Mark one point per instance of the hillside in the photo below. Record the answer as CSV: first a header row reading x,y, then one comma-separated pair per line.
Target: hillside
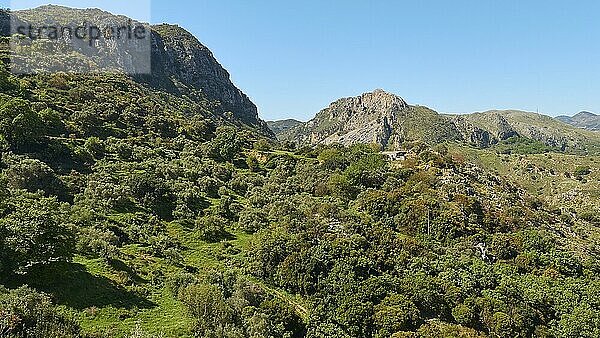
x,y
194,233
501,125
566,182
181,66
388,121
584,120
160,206
282,125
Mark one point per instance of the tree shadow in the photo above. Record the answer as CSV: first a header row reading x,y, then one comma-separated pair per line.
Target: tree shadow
x,y
72,285
119,265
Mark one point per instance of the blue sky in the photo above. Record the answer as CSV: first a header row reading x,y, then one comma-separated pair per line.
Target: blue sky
x,y
294,57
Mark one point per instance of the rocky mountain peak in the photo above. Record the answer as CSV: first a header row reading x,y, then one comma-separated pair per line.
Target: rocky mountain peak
x,y
376,117
386,119
377,101
180,63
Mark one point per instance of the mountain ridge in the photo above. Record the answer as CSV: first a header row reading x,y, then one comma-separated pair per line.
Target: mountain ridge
x,y
180,63
387,120
584,120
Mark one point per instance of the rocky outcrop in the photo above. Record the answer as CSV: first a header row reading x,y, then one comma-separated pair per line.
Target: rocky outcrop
x,y
473,134
180,64
387,120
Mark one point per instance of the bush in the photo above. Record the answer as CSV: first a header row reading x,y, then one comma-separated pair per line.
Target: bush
x,y
103,193
262,145
253,164
582,171
97,243
95,147
19,125
34,232
27,313
153,193
206,305
212,228
190,202
252,220
33,175
209,185
396,313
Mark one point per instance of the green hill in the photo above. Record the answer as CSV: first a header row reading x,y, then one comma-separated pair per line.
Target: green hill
x,y
145,207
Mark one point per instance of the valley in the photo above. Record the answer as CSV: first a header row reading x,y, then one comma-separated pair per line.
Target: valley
x,y
162,205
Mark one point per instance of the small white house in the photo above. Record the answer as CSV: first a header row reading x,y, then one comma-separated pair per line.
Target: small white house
x,y
395,155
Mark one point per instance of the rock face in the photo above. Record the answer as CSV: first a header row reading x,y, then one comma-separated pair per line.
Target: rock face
x,y
378,117
387,120
180,64
364,119
583,120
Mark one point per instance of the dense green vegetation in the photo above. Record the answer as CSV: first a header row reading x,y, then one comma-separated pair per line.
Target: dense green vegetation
x,y
129,212
520,145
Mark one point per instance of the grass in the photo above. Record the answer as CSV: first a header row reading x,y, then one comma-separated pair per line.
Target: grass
x,y
166,315
116,296
166,318
550,176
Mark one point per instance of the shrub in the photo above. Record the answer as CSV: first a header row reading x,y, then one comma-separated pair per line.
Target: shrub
x,y
252,220
212,228
253,164
396,313
206,305
97,242
153,193
27,313
262,145
19,125
95,147
33,175
582,171
34,232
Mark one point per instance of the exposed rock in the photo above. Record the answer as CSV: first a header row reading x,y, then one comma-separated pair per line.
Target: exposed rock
x,y
377,117
387,120
180,63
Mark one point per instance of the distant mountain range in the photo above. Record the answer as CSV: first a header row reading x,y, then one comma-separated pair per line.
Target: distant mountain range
x,y
584,120
282,125
386,119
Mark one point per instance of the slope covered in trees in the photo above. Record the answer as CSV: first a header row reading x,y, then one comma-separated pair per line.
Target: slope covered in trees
x,y
133,216
129,209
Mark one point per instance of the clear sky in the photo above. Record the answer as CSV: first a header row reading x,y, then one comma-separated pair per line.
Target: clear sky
x,y
294,57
